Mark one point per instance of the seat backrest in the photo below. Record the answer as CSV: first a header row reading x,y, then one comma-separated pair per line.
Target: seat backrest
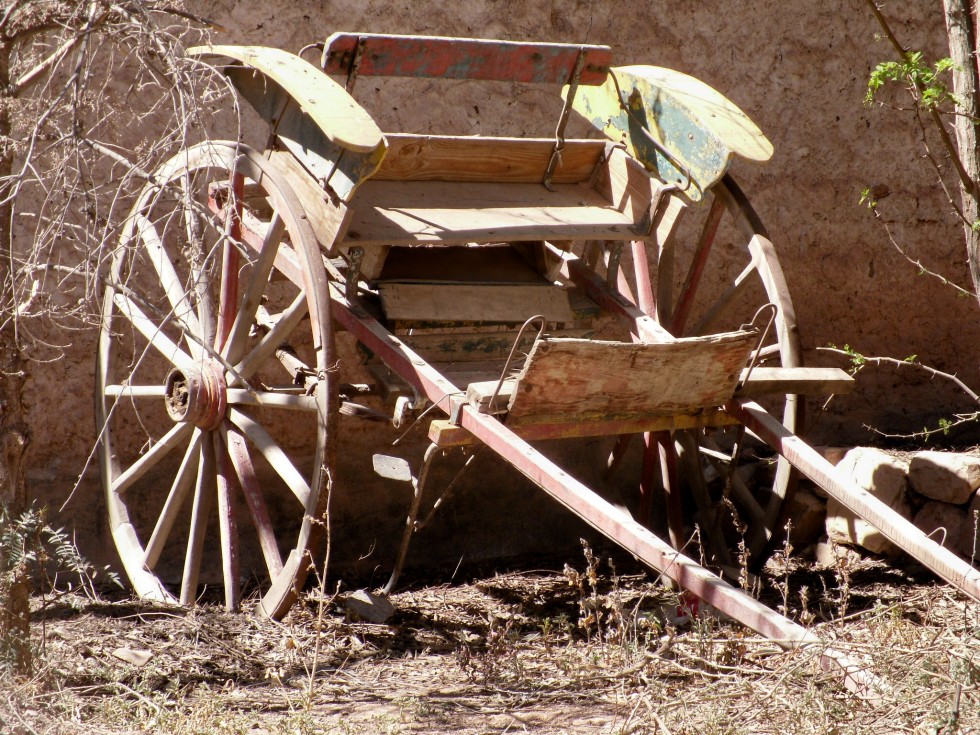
x,y
372,54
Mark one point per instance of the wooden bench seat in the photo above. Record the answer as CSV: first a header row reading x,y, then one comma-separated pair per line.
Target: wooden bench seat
x,y
436,212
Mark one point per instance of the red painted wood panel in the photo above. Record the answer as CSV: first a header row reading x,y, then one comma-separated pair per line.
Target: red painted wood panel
x,y
465,58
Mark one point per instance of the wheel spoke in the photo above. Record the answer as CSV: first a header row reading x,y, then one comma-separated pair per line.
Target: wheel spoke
x,y
724,301
204,492
273,454
289,401
701,252
230,261
256,287
161,342
690,466
176,293
135,391
227,525
175,501
199,276
242,462
269,343
149,460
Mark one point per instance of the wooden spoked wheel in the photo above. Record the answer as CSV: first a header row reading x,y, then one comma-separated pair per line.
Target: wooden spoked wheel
x,y
213,382
734,278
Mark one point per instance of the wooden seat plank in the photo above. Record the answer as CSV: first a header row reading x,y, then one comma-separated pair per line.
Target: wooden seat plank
x,y
432,212
464,58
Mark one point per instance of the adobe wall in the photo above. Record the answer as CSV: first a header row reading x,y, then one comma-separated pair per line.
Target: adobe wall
x,y
801,75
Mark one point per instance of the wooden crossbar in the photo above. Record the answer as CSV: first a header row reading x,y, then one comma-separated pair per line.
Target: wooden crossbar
x,y
463,58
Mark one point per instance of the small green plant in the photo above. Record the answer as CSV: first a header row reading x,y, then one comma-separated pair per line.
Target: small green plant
x,y
924,82
32,549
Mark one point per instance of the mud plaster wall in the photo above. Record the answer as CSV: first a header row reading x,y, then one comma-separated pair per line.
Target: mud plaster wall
x,y
798,69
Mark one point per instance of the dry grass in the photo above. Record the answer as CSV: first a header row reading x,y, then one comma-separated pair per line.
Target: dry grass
x,y
577,651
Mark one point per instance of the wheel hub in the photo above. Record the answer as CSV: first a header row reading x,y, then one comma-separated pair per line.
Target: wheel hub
x,y
197,395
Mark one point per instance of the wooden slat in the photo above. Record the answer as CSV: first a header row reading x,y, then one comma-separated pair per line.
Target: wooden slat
x,y
328,218
445,434
472,346
471,158
474,303
432,212
479,395
802,381
464,58
575,378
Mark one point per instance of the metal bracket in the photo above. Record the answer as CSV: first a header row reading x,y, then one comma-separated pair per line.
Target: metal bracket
x,y
354,258
566,110
492,405
355,65
615,250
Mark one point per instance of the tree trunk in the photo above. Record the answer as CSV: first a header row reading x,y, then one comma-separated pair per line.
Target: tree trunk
x,y
14,577
961,18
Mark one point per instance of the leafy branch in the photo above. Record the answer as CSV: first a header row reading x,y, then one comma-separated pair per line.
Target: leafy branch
x,y
859,361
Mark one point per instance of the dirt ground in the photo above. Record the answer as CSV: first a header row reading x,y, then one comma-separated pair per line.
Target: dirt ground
x,y
591,647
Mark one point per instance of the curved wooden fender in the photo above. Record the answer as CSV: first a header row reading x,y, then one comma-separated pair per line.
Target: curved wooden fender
x,y
676,125
323,127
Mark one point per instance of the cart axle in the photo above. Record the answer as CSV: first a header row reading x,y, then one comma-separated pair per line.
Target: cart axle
x,y
197,396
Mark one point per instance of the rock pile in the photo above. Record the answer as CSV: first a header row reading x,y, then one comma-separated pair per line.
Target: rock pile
x,y
938,491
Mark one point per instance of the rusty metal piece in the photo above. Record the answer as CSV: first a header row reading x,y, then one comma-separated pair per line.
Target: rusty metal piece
x,y
197,395
354,259
573,82
492,406
418,486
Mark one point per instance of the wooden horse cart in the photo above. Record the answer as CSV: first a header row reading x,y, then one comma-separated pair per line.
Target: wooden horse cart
x,y
503,290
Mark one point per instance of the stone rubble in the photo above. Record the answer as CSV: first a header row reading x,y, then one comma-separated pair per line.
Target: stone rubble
x,y
885,477
938,491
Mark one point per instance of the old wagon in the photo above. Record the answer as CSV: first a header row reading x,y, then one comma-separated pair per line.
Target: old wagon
x,y
502,290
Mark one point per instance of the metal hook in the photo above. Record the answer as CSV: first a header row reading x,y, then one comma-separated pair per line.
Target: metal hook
x,y
492,406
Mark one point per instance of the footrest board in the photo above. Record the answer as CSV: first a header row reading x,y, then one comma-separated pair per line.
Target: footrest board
x,y
569,379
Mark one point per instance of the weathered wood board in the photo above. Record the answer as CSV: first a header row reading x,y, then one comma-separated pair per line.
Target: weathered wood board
x,y
491,160
404,213
473,345
464,58
587,379
803,381
335,112
329,219
444,433
474,303
651,109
